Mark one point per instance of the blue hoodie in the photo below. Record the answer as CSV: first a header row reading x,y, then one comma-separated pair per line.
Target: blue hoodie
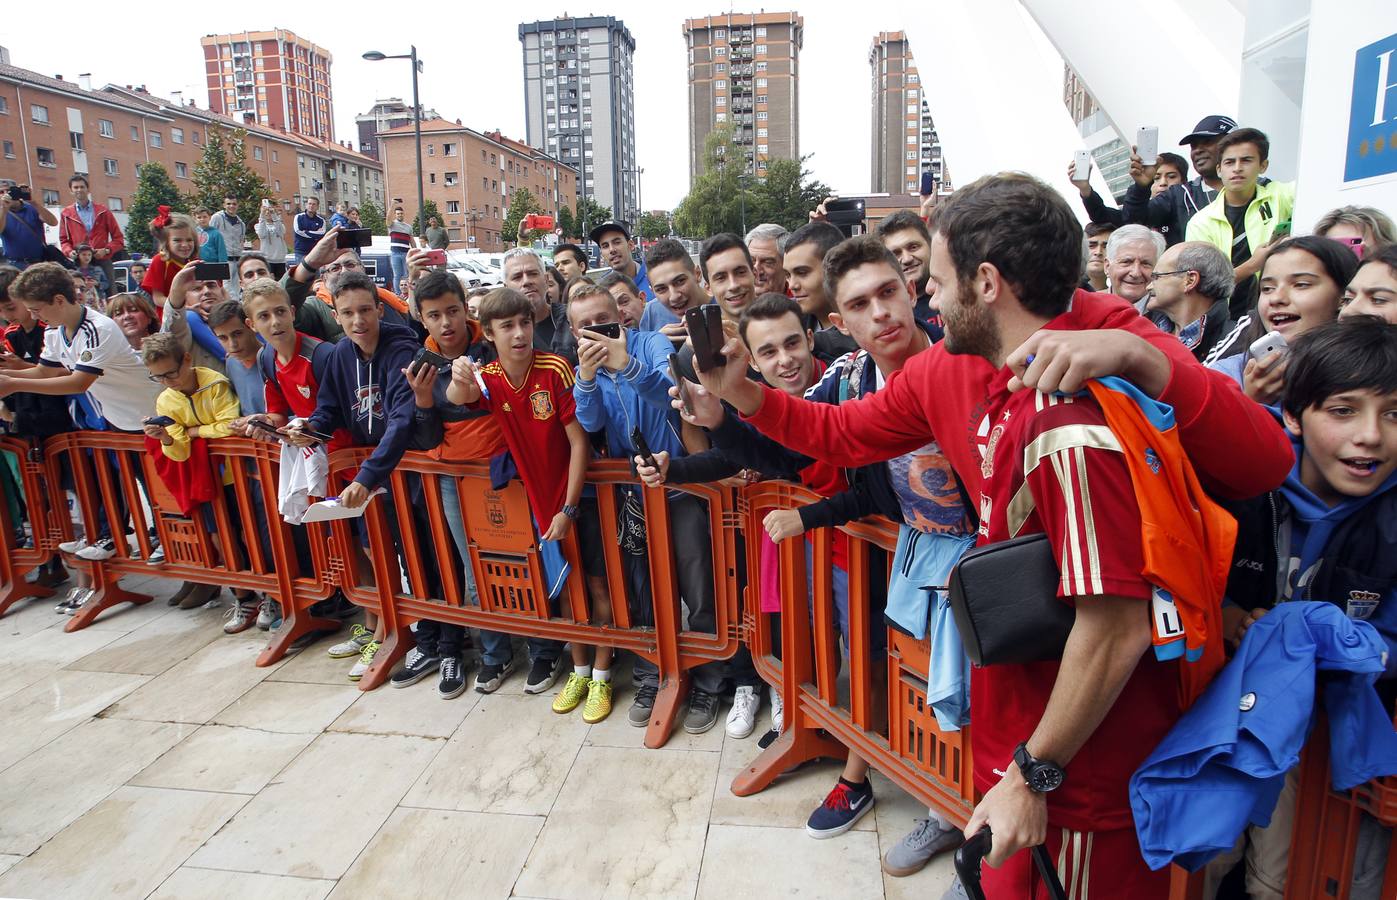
x,y
371,398
636,396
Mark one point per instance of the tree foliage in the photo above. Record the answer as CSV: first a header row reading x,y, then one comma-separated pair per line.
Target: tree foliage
x,y
372,217
154,188
567,222
521,203
590,214
652,227
724,197
429,209
223,170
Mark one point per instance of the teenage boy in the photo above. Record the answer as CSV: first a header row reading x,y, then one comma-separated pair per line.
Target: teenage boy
x,y
308,228
530,393
1324,534
907,237
570,260
630,302
1170,211
805,273
613,239
233,229
1248,215
677,286
211,246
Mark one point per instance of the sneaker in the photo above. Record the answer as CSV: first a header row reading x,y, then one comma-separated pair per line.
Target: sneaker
x,y
336,606
267,613
201,595
416,666
82,601
955,892
491,676
642,705
157,556
240,618
359,637
842,809
543,674
51,577
742,719
778,711
572,694
72,600
598,705
366,658
73,547
703,712
926,839
453,678
99,551
178,596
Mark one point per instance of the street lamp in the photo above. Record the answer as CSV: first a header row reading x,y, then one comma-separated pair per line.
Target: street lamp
x,y
639,206
375,56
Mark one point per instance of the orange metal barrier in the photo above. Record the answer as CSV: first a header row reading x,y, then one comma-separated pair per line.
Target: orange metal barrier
x,y
506,568
46,508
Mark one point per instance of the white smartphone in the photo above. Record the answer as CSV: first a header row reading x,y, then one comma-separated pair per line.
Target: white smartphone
x,y
1147,144
1267,343
1082,158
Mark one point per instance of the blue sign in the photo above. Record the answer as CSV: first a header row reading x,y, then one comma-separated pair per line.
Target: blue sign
x,y
1372,123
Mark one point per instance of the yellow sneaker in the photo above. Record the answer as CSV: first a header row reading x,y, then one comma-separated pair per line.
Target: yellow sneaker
x,y
571,694
598,702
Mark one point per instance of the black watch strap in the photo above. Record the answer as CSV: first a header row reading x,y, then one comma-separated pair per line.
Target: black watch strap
x,y
1040,775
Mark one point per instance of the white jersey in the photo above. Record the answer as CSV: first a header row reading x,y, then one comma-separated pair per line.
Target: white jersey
x,y
123,393
304,471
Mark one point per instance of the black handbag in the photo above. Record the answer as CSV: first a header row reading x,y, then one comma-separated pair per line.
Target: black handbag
x,y
1004,599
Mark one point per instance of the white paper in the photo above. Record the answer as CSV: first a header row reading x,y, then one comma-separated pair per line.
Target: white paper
x,y
329,510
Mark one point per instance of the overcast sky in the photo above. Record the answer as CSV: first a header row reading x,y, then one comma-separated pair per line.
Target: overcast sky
x,y
473,69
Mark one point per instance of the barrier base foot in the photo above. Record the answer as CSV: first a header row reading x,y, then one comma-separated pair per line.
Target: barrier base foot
x,y
11,592
668,702
394,647
291,630
793,747
109,594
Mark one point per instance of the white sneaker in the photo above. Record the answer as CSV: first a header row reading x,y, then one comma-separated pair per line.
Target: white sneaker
x,y
778,711
99,551
73,546
365,660
358,637
743,717
266,613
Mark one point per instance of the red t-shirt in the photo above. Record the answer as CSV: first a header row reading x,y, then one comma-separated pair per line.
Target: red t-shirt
x,y
161,274
534,417
293,392
1051,466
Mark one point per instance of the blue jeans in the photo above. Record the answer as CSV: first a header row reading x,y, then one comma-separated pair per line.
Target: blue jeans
x,y
399,261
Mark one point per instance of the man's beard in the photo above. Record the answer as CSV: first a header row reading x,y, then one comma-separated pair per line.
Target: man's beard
x,y
970,328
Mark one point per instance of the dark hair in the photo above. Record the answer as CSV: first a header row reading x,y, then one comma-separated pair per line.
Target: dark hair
x,y
503,303
355,281
577,253
41,282
1386,254
667,250
822,234
1093,229
720,243
231,197
78,176
1338,260
768,306
253,254
573,282
1244,136
613,278
223,312
902,220
849,255
438,283
1023,228
558,279
7,276
1175,160
1354,353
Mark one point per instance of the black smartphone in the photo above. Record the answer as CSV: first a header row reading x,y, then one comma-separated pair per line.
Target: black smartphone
x,y
642,449
428,358
278,269
705,324
207,271
162,421
354,237
609,329
680,382
927,185
846,215
317,436
261,425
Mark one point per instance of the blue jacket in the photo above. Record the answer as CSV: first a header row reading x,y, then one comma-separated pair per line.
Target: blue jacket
x,y
1222,766
371,398
638,395
213,249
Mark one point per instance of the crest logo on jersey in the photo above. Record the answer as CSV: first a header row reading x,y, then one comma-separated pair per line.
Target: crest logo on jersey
x,y
304,390
86,356
542,404
987,464
1362,604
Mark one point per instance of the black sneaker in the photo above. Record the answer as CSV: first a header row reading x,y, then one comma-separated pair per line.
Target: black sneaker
x,y
491,676
335,606
642,705
842,809
543,673
703,711
453,678
416,666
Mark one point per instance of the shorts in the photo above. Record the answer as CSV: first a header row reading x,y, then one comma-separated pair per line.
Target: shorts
x,y
589,538
1089,864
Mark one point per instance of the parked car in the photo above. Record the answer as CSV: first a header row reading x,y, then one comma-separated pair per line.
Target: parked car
x,y
471,270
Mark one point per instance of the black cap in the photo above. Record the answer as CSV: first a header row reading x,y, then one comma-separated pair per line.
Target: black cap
x,y
1210,127
609,225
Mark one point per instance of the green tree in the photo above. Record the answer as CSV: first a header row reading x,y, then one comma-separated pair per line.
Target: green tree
x,y
372,217
715,200
223,170
652,227
521,203
154,188
429,209
787,195
590,214
567,222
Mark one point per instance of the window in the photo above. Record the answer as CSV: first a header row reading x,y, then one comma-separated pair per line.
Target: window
x,y
278,185
720,100
50,197
177,135
45,156
256,152
276,157
484,184
431,149
761,49
761,66
761,82
761,148
912,154
106,128
109,167
116,204
39,114
494,185
720,34
135,133
449,179
156,140
181,170
194,137
75,140
720,117
4,107
761,31
9,149
431,177
761,132
911,170
448,149
453,206
761,116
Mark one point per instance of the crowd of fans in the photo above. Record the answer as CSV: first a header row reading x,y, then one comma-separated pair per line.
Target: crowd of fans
x,y
934,372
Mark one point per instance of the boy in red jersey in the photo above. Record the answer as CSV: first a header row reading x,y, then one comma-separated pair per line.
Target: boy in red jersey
x,y
531,394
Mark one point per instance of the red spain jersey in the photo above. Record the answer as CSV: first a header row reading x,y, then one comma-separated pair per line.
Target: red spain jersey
x,y
534,416
1051,465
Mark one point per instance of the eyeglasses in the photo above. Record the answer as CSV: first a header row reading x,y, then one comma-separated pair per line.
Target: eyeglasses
x,y
341,267
1155,276
160,378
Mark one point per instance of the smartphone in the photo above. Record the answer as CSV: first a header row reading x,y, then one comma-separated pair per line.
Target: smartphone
x,y
642,449
705,324
680,382
436,257
354,237
162,421
1147,144
927,184
1282,228
1082,158
609,329
425,357
1267,343
207,271
261,425
847,215
278,270
1353,243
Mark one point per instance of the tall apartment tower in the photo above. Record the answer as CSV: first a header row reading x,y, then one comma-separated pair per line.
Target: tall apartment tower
x,y
905,143
1112,155
271,78
744,72
579,104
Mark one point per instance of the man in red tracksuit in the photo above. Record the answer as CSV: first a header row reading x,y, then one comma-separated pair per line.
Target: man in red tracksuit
x,y
85,221
1054,743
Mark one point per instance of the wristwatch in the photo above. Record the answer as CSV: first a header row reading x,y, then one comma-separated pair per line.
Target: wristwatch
x,y
1040,775
572,512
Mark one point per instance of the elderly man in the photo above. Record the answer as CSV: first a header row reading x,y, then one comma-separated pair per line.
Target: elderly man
x,y
1190,287
523,271
1130,257
765,244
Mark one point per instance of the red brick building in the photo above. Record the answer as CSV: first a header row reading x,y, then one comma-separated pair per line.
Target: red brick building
x,y
271,78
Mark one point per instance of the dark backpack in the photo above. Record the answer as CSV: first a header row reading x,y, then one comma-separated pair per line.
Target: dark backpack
x,y
312,348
